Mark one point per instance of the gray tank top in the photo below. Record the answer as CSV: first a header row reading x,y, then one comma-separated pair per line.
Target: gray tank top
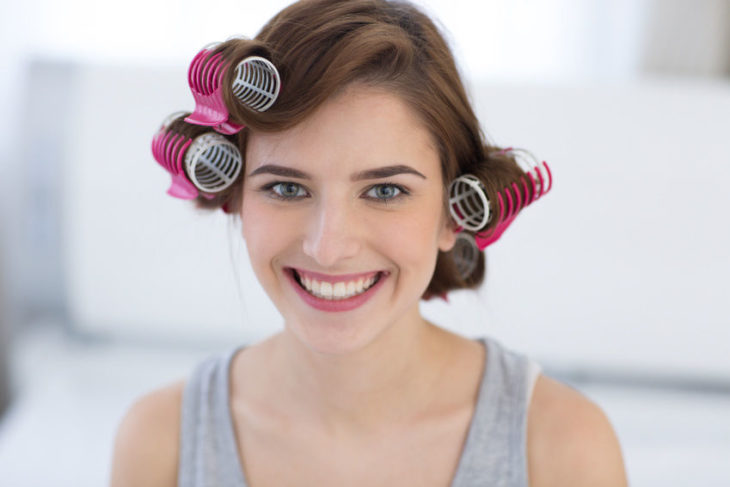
x,y
495,452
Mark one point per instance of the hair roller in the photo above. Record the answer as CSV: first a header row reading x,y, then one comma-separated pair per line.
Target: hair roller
x,y
538,174
202,164
256,85
212,162
470,205
517,195
465,254
468,202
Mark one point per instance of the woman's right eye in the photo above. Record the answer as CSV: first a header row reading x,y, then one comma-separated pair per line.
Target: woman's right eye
x,y
285,190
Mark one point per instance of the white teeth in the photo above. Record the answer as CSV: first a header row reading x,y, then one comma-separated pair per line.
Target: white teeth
x,y
336,291
326,290
339,290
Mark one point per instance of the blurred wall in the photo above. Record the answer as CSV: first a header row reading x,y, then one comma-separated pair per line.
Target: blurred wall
x,y
4,344
690,38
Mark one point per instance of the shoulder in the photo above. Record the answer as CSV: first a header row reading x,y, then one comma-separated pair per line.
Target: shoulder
x,y
570,441
147,440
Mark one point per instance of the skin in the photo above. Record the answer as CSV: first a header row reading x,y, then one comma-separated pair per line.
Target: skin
x,y
376,395
350,370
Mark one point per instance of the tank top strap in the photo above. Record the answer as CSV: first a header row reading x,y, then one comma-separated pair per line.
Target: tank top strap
x,y
208,449
495,452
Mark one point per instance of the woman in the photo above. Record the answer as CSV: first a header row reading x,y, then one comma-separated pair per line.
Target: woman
x,y
343,200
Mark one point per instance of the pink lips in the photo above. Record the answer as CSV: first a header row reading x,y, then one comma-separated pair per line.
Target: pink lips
x,y
340,304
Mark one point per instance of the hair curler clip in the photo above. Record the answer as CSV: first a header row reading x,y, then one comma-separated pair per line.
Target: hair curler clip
x,y
205,77
210,163
256,84
469,203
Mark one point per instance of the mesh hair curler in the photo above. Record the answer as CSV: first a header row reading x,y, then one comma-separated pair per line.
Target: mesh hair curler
x,y
465,254
469,203
205,165
256,84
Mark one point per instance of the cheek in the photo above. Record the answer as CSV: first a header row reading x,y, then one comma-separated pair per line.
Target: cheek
x,y
253,223
263,232
411,238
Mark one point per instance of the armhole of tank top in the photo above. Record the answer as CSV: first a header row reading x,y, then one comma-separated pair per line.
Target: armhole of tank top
x,y
190,415
533,372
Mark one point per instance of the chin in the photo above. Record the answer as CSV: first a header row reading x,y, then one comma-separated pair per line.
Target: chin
x,y
332,338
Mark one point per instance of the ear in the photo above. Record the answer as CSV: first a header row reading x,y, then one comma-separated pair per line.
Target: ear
x,y
447,234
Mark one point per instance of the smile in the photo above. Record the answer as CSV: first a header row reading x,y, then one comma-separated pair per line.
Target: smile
x,y
335,290
335,293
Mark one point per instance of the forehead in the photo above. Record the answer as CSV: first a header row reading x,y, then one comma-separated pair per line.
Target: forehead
x,y
361,127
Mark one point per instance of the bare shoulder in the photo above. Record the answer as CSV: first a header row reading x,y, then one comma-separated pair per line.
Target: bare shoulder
x,y
570,441
147,439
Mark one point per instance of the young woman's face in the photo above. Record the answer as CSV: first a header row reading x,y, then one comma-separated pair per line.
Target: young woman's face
x,y
350,196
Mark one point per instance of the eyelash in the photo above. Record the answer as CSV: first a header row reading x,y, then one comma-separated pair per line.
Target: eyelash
x,y
269,189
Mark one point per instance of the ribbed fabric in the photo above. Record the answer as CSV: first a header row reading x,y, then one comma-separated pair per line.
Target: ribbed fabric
x,y
495,452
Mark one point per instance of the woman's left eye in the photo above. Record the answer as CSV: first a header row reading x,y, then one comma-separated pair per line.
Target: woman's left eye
x,y
386,192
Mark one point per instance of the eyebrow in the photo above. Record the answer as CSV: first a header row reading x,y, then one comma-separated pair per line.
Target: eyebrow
x,y
376,173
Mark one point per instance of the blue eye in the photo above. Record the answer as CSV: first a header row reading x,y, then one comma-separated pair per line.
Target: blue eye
x,y
285,190
386,192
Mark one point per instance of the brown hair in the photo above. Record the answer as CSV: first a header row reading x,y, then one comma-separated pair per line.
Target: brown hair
x,y
322,46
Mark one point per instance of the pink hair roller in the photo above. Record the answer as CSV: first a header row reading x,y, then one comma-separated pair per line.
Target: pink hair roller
x,y
256,84
541,182
206,165
469,204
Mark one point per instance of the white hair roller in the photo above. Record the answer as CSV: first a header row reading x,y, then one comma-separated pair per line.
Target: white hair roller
x,y
256,83
468,202
212,162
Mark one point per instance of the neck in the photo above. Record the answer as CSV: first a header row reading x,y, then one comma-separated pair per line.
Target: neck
x,y
376,387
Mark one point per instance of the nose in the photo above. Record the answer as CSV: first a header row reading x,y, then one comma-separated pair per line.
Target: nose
x,y
331,233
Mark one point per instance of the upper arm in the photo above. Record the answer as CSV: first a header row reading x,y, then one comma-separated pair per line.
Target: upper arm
x,y
147,440
570,440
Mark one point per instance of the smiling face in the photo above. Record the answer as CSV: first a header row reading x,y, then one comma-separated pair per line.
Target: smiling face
x,y
352,197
